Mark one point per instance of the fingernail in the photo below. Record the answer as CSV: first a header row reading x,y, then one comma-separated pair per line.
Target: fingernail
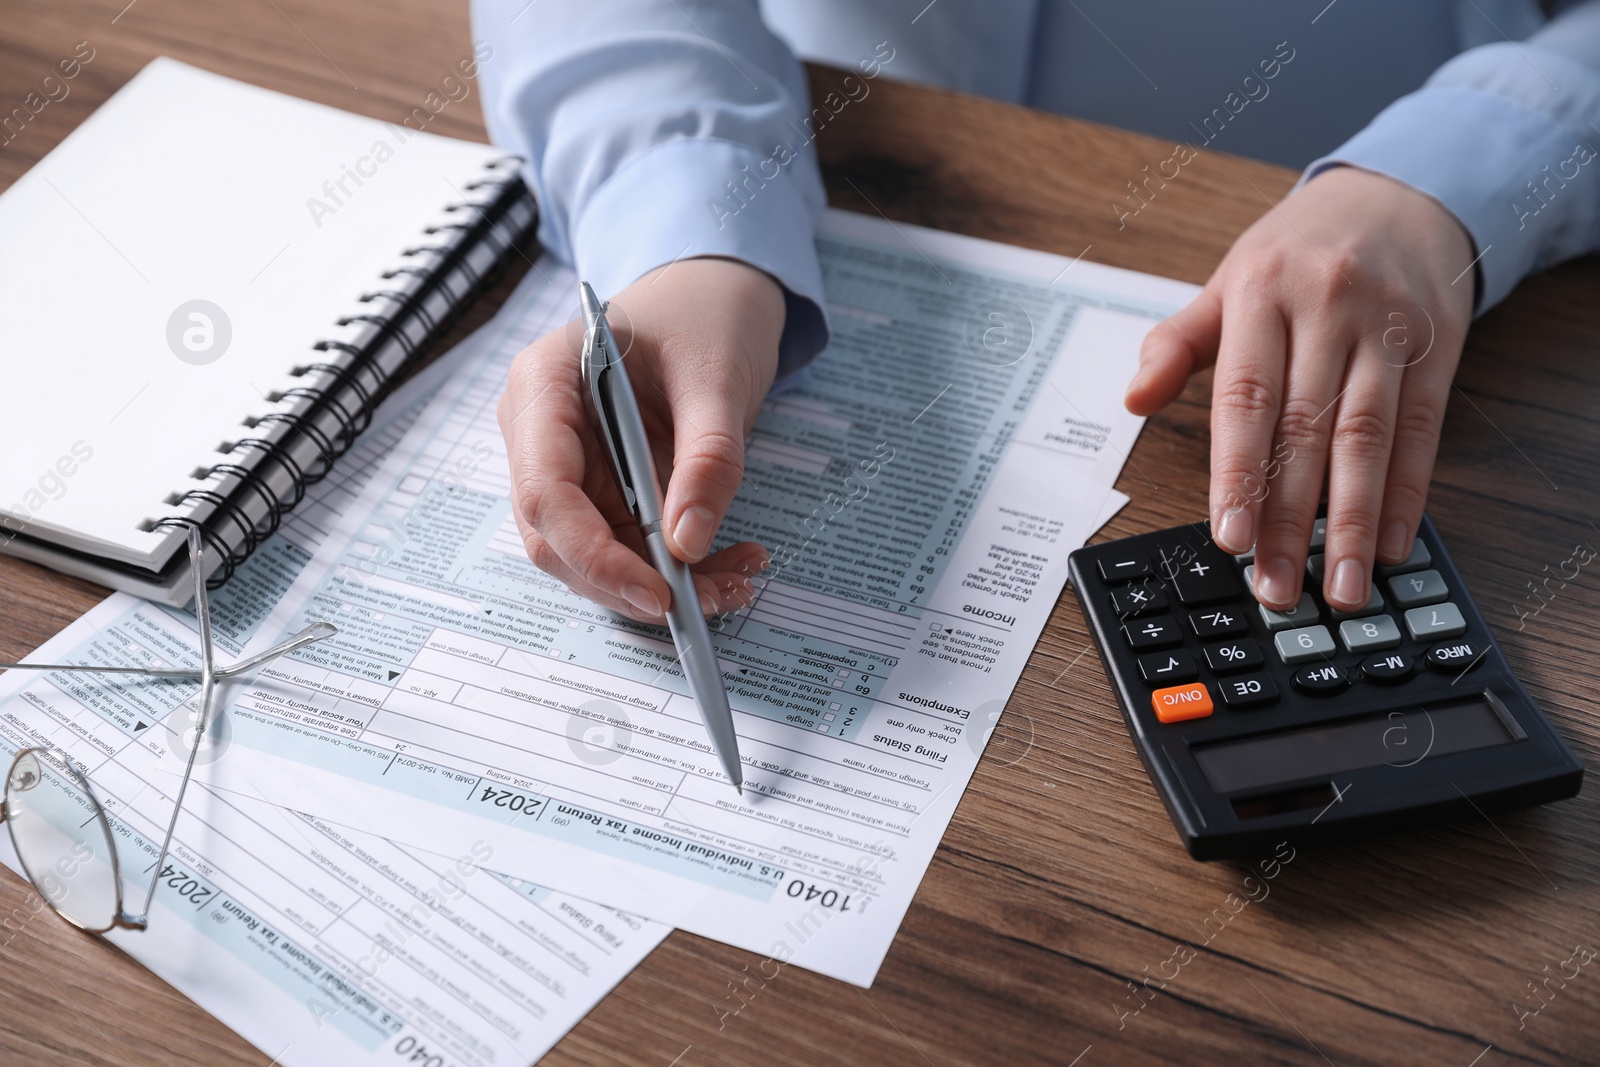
x,y
642,599
1275,581
1394,546
694,530
1236,531
1349,583
708,604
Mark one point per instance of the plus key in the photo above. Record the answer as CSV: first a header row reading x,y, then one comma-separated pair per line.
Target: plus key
x,y
1201,574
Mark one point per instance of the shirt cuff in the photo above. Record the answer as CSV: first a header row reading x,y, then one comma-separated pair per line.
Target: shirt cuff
x,y
1523,183
693,197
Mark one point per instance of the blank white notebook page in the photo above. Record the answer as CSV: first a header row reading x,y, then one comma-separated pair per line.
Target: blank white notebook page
x,y
187,186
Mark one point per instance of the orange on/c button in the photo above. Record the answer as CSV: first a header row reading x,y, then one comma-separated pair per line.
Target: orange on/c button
x,y
1180,702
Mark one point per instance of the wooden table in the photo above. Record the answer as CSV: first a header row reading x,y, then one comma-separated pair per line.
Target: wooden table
x,y
1060,879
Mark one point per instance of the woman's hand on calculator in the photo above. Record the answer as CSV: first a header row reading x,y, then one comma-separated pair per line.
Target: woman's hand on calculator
x,y
1335,323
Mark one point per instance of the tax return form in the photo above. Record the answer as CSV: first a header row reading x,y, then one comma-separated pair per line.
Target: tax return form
x,y
321,945
919,495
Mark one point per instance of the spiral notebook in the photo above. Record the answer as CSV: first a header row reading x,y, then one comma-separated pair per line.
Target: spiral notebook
x,y
205,289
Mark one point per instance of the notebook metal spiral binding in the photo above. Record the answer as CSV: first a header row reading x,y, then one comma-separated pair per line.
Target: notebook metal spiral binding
x,y
499,224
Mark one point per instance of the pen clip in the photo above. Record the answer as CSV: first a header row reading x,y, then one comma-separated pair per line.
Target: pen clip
x,y
598,360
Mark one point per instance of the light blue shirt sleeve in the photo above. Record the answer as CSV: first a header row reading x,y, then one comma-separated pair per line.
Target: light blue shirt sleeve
x,y
653,132
1503,136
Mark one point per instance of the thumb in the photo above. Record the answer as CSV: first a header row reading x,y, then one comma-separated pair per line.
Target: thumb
x,y
1174,349
707,468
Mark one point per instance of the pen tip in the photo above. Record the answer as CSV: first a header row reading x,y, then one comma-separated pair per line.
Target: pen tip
x,y
591,303
740,787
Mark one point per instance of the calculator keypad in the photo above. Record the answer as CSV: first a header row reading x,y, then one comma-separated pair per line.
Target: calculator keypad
x,y
1235,668
1256,725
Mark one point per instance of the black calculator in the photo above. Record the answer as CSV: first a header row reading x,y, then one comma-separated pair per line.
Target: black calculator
x,y
1311,724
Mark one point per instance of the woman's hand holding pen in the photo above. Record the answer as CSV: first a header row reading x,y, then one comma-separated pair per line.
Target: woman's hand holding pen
x,y
700,337
1335,324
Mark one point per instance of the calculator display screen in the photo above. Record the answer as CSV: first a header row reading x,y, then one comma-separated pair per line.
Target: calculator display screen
x,y
1401,738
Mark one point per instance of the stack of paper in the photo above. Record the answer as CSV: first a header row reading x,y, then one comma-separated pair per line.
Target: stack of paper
x,y
318,943
919,494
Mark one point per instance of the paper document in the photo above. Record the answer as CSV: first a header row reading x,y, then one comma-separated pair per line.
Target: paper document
x,y
321,945
919,494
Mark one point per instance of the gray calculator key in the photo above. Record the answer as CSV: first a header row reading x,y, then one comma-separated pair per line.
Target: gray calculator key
x,y
1418,588
1305,644
1434,622
1420,559
1369,635
1314,567
1373,605
1319,534
1302,614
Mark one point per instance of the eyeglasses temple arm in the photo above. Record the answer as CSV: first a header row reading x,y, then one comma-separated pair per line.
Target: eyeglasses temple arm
x,y
208,684
317,631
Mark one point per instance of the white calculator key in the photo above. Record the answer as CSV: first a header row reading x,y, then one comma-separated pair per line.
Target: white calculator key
x,y
1369,635
1373,605
1414,590
1302,614
1305,644
1435,621
1419,559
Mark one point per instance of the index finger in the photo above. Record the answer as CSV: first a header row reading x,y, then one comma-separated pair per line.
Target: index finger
x,y
1245,400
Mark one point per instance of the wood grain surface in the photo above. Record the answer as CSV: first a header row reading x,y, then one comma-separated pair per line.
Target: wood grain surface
x,y
1060,880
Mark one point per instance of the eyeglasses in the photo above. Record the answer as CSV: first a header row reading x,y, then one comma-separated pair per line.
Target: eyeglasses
x,y
59,828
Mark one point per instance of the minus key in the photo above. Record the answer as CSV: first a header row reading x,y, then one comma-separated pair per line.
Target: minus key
x,y
1114,569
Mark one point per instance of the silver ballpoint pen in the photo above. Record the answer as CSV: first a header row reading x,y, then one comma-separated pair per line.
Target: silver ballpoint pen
x,y
616,413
